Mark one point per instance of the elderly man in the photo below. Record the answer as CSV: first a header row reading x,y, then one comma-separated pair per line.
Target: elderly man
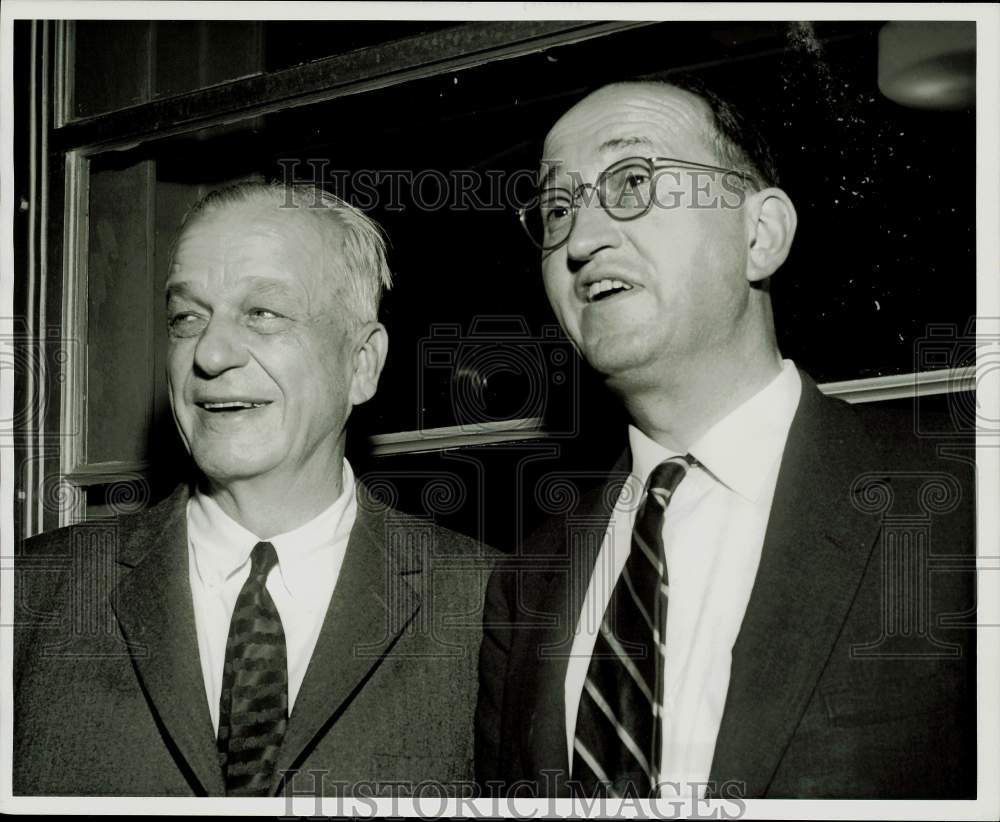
x,y
271,619
730,615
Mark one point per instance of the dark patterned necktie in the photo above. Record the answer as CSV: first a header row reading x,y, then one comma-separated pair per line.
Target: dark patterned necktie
x,y
253,709
618,727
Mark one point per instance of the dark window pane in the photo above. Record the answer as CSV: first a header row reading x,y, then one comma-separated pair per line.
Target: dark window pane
x,y
125,495
290,43
111,65
193,54
119,322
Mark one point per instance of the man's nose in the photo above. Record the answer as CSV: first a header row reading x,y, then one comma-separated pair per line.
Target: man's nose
x,y
221,347
593,229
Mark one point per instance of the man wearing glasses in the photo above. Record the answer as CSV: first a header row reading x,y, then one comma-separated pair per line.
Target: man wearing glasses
x,y
721,617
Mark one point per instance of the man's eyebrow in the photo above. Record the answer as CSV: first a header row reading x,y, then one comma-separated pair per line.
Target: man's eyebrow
x,y
613,144
623,142
265,286
179,290
550,175
257,287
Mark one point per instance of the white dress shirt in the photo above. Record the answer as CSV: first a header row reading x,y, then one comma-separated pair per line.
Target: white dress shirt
x,y
301,584
713,534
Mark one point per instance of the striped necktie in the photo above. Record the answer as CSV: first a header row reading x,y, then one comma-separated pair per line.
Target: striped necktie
x,y
253,710
619,727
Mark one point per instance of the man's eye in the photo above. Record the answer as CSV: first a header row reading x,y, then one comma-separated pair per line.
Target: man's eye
x,y
555,213
267,320
627,179
635,180
555,207
185,324
264,314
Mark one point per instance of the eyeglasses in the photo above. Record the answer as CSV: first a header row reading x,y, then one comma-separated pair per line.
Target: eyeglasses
x,y
626,190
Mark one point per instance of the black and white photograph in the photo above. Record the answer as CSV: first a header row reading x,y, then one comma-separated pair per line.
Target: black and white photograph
x,y
533,410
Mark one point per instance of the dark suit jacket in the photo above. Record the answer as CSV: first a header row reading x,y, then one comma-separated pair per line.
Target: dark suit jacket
x,y
109,697
853,672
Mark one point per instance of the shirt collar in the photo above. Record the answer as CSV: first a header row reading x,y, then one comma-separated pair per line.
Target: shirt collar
x,y
222,546
742,448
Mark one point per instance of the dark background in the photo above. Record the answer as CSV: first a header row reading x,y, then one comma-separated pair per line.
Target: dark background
x,y
885,244
885,194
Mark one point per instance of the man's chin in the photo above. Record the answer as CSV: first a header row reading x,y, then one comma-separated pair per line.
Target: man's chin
x,y
221,471
616,356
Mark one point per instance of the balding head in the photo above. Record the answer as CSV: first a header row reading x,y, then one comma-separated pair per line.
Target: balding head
x,y
733,140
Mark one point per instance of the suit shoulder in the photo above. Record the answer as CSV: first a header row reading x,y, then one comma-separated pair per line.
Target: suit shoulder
x,y
53,573
577,502
547,536
47,542
149,519
40,573
930,476
444,541
904,442
453,542
46,562
42,561
59,539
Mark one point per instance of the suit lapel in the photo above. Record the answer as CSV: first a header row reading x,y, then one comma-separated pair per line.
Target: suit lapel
x,y
570,547
154,609
371,606
815,551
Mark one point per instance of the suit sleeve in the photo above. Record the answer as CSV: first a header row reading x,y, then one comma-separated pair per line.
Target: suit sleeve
x,y
493,660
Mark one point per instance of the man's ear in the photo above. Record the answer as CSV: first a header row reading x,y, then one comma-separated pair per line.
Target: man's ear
x,y
369,358
771,222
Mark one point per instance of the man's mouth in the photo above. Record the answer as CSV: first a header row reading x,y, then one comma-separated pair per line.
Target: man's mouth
x,y
229,406
608,287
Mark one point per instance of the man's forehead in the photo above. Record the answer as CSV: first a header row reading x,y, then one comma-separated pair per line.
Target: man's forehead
x,y
629,144
645,117
209,242
249,231
258,221
183,284
256,248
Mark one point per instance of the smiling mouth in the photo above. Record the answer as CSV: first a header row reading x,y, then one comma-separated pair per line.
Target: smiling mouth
x,y
603,289
230,406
